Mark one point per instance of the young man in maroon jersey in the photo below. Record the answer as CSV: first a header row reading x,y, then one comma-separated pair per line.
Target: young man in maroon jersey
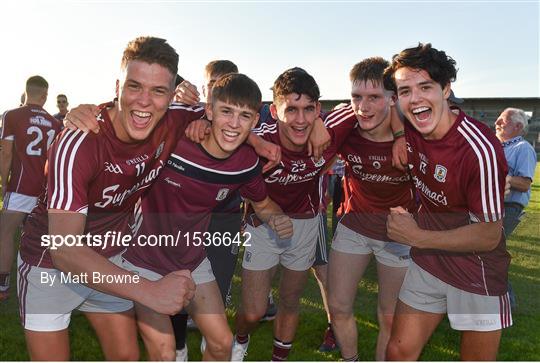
x,y
459,262
226,215
27,133
210,171
94,182
371,187
293,185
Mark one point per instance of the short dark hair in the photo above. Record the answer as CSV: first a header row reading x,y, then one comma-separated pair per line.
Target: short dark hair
x,y
151,50
296,80
372,69
237,89
218,68
61,95
440,67
36,85
37,81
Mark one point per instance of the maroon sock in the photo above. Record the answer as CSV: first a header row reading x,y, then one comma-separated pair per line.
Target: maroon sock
x,y
242,339
354,358
281,350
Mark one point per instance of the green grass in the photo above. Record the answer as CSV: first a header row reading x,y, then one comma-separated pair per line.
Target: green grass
x,y
520,342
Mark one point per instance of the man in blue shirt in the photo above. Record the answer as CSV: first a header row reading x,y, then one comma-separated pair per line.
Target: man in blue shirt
x,y
510,128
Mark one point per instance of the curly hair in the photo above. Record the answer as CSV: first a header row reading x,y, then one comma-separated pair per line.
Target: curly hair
x,y
440,67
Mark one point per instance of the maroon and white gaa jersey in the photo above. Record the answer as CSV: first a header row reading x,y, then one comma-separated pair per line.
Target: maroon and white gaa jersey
x,y
101,177
294,183
460,180
371,184
180,202
32,130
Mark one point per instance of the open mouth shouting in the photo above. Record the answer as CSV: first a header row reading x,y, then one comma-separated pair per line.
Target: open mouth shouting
x,y
421,114
141,119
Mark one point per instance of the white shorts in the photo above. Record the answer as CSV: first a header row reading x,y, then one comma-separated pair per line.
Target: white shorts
x,y
466,311
46,304
391,254
19,202
298,254
202,274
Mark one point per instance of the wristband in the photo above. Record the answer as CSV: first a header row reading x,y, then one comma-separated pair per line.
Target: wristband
x,y
399,134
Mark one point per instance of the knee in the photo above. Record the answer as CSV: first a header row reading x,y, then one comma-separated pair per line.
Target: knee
x,y
253,316
220,347
163,353
168,355
397,352
339,310
123,354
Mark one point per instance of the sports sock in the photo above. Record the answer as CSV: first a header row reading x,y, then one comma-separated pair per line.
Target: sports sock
x,y
354,358
179,322
4,281
242,339
281,350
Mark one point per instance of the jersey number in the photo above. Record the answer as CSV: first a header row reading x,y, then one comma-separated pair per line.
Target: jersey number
x,y
33,147
140,168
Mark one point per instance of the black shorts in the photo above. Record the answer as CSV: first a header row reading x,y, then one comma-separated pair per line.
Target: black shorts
x,y
223,258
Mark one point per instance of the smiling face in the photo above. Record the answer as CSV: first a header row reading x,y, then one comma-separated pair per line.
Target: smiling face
x,y
423,102
231,125
371,104
506,128
296,115
145,93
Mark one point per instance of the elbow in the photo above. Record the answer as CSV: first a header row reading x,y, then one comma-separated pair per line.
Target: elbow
x,y
491,241
59,256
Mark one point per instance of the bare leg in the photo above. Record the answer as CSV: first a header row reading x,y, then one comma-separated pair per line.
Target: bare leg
x,y
157,333
390,281
344,273
117,334
290,290
410,332
255,288
208,312
480,346
47,346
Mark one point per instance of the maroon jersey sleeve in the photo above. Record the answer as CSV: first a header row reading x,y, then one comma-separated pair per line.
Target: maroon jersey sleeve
x,y
340,123
72,166
255,189
484,174
181,115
